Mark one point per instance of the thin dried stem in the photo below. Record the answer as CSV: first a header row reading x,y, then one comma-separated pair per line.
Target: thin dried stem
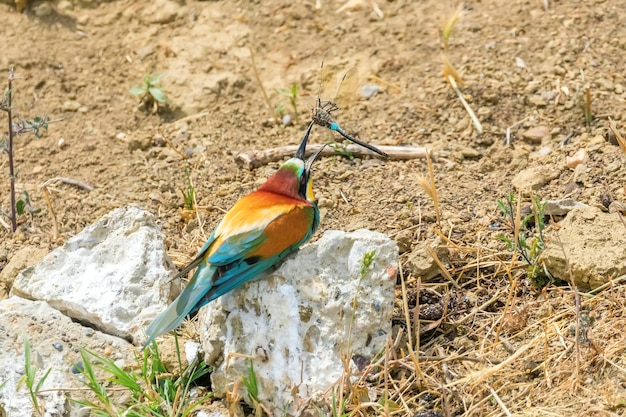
x,y
430,187
451,75
412,355
9,111
53,216
621,141
495,395
258,80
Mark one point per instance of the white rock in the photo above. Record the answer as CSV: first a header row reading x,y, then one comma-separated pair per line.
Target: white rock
x,y
52,337
298,322
369,91
113,275
192,350
562,207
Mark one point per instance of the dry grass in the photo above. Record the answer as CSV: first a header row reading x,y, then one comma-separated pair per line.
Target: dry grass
x,y
508,351
621,141
430,187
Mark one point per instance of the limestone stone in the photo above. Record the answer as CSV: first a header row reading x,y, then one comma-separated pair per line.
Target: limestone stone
x,y
113,275
296,324
589,248
54,339
533,178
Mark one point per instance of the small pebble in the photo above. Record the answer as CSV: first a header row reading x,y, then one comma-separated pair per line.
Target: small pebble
x,y
64,5
537,100
144,52
71,105
58,346
561,207
78,368
191,351
543,151
494,225
286,120
536,134
369,91
580,157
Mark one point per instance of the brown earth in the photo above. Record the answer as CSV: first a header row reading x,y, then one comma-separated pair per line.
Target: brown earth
x,y
525,64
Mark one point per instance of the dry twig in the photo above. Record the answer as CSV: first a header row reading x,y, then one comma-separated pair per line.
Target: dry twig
x,y
256,159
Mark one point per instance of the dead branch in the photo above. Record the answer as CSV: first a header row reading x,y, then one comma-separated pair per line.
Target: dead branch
x,y
69,181
256,159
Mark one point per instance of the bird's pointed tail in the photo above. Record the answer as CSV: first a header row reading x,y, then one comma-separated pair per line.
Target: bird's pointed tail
x,y
167,321
189,301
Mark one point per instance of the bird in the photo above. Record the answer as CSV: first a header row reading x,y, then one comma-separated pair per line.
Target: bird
x,y
259,231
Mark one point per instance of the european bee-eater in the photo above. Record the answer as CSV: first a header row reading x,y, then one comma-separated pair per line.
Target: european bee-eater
x,y
258,232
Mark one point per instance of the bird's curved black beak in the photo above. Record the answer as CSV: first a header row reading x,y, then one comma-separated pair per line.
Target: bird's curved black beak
x,y
302,148
301,153
312,158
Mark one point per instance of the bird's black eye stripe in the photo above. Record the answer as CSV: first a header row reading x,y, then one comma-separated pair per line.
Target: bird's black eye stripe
x,y
303,184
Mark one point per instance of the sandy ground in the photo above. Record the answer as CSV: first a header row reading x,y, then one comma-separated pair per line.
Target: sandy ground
x,y
525,65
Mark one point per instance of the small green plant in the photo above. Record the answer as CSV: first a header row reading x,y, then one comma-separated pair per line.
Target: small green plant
x,y
338,407
280,110
582,97
151,92
30,379
24,203
528,239
292,94
154,390
252,387
15,128
584,101
342,150
105,406
189,192
366,263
